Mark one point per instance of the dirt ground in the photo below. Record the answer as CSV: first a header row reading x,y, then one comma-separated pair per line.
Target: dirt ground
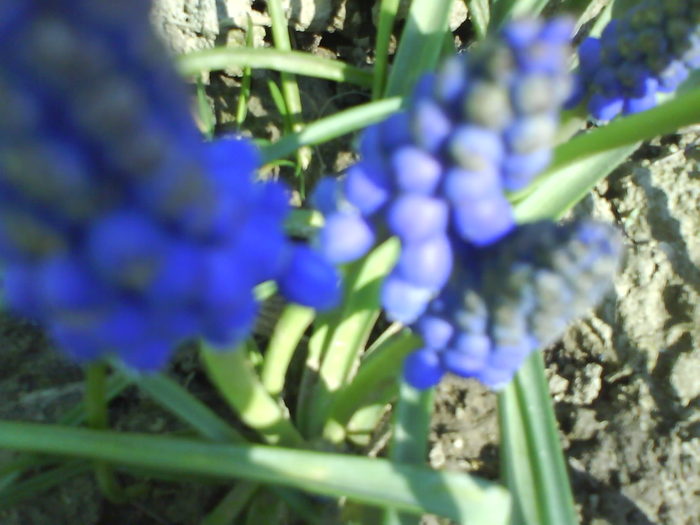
x,y
625,381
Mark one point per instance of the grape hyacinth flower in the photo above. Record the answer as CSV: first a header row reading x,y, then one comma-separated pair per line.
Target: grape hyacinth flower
x,y
120,230
651,49
436,174
510,298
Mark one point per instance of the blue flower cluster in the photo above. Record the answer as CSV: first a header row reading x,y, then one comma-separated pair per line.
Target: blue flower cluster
x,y
649,50
508,299
120,230
482,292
435,175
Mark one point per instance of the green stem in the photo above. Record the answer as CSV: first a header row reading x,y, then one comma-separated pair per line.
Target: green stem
x,y
240,386
288,332
290,89
97,418
387,15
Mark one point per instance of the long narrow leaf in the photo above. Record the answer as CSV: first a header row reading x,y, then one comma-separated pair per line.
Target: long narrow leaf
x,y
480,15
296,62
332,127
466,499
177,400
420,45
565,186
532,461
409,442
387,15
682,111
504,10
348,332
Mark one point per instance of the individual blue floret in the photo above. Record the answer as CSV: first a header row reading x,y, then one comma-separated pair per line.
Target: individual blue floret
x,y
508,299
121,231
437,173
650,49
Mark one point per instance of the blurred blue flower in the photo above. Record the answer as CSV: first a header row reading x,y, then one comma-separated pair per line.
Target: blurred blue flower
x,y
508,299
650,49
436,174
121,231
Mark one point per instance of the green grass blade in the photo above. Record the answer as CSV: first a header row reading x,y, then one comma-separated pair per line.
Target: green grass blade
x,y
42,482
179,402
566,186
331,127
290,328
234,378
480,15
232,505
387,15
244,94
504,10
349,329
280,36
375,381
682,111
420,45
532,462
409,443
293,62
409,488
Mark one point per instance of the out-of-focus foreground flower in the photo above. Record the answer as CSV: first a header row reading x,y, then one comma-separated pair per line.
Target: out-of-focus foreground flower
x,y
120,230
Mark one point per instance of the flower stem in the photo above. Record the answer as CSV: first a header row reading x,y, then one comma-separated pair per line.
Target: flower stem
x,y
97,418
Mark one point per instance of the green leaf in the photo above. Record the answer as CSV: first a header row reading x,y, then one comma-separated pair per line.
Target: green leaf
x,y
332,127
532,463
504,10
295,62
375,382
290,328
480,14
566,186
420,44
409,442
35,485
232,505
682,111
343,339
387,15
466,499
233,376
179,402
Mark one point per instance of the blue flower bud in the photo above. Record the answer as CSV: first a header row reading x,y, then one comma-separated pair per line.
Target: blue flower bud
x,y
426,263
345,236
404,301
422,369
310,280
